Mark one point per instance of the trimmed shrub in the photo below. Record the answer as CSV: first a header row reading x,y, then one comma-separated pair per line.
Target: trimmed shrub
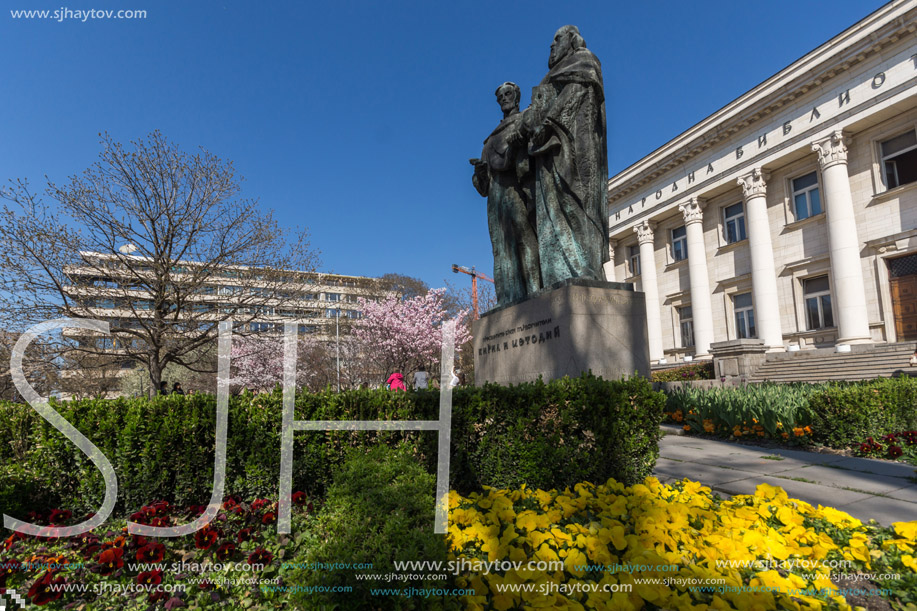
x,y
379,510
555,435
843,415
543,435
694,371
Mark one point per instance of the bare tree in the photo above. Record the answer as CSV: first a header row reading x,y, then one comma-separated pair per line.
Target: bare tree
x,y
38,367
156,241
407,286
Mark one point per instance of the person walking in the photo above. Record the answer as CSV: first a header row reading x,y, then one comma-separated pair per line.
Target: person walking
x,y
176,389
163,388
396,382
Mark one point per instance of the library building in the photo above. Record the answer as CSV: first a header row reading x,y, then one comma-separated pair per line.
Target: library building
x,y
787,220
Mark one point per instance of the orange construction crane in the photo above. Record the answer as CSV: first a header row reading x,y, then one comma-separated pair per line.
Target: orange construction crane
x,y
474,283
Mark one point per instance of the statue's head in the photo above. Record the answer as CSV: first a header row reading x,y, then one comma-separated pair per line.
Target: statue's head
x,y
508,96
566,40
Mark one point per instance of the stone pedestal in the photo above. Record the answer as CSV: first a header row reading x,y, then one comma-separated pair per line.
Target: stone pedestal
x,y
737,358
565,330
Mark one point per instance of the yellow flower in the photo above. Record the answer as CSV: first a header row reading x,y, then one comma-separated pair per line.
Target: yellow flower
x,y
907,530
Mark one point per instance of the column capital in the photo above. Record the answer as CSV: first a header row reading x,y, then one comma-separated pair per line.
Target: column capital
x,y
754,184
693,210
645,231
831,150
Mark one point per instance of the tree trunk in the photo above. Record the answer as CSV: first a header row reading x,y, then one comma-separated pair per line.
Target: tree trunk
x,y
155,377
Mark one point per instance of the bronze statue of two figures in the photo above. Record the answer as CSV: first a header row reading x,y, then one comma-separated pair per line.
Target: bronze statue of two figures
x,y
544,173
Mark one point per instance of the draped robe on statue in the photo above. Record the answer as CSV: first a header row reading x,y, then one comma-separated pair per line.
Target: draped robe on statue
x,y
571,169
507,183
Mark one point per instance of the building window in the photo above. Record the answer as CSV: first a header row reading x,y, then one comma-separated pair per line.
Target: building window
x,y
354,314
680,244
633,257
305,329
262,327
745,316
818,303
687,326
734,220
899,160
332,313
332,296
806,199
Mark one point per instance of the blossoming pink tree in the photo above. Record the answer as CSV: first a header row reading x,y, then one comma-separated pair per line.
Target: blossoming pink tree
x,y
257,363
401,335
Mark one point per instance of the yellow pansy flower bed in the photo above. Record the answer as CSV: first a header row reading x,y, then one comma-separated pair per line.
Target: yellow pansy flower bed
x,y
655,546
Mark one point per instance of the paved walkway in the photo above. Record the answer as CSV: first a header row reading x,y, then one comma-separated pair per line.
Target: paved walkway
x,y
864,488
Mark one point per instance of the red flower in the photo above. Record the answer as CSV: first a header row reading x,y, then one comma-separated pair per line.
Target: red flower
x,y
226,551
138,541
41,592
153,552
110,560
269,518
59,516
160,522
150,578
260,556
259,503
7,568
229,503
204,538
244,535
299,498
894,451
139,517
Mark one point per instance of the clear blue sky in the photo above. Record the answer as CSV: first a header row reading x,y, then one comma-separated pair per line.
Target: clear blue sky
x,y
357,119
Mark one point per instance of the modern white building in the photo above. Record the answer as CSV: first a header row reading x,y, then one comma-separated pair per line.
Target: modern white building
x,y
790,215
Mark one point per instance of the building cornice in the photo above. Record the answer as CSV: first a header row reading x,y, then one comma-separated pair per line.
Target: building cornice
x,y
862,41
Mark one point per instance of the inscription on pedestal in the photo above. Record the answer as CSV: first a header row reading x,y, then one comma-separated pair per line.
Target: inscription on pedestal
x,y
578,327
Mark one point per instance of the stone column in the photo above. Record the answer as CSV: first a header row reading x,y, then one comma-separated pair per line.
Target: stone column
x,y
701,309
610,264
650,288
763,274
849,304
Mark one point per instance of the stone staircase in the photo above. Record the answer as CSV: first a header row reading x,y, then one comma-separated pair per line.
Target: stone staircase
x,y
863,362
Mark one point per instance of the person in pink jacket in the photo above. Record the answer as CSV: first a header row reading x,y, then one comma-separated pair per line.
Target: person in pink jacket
x,y
396,382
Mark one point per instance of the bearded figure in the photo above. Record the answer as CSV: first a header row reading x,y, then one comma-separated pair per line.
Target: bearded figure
x,y
566,121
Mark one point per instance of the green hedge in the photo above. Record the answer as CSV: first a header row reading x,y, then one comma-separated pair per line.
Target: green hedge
x,y
543,435
843,415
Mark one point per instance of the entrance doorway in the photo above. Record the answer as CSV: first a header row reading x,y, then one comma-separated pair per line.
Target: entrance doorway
x,y
902,273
